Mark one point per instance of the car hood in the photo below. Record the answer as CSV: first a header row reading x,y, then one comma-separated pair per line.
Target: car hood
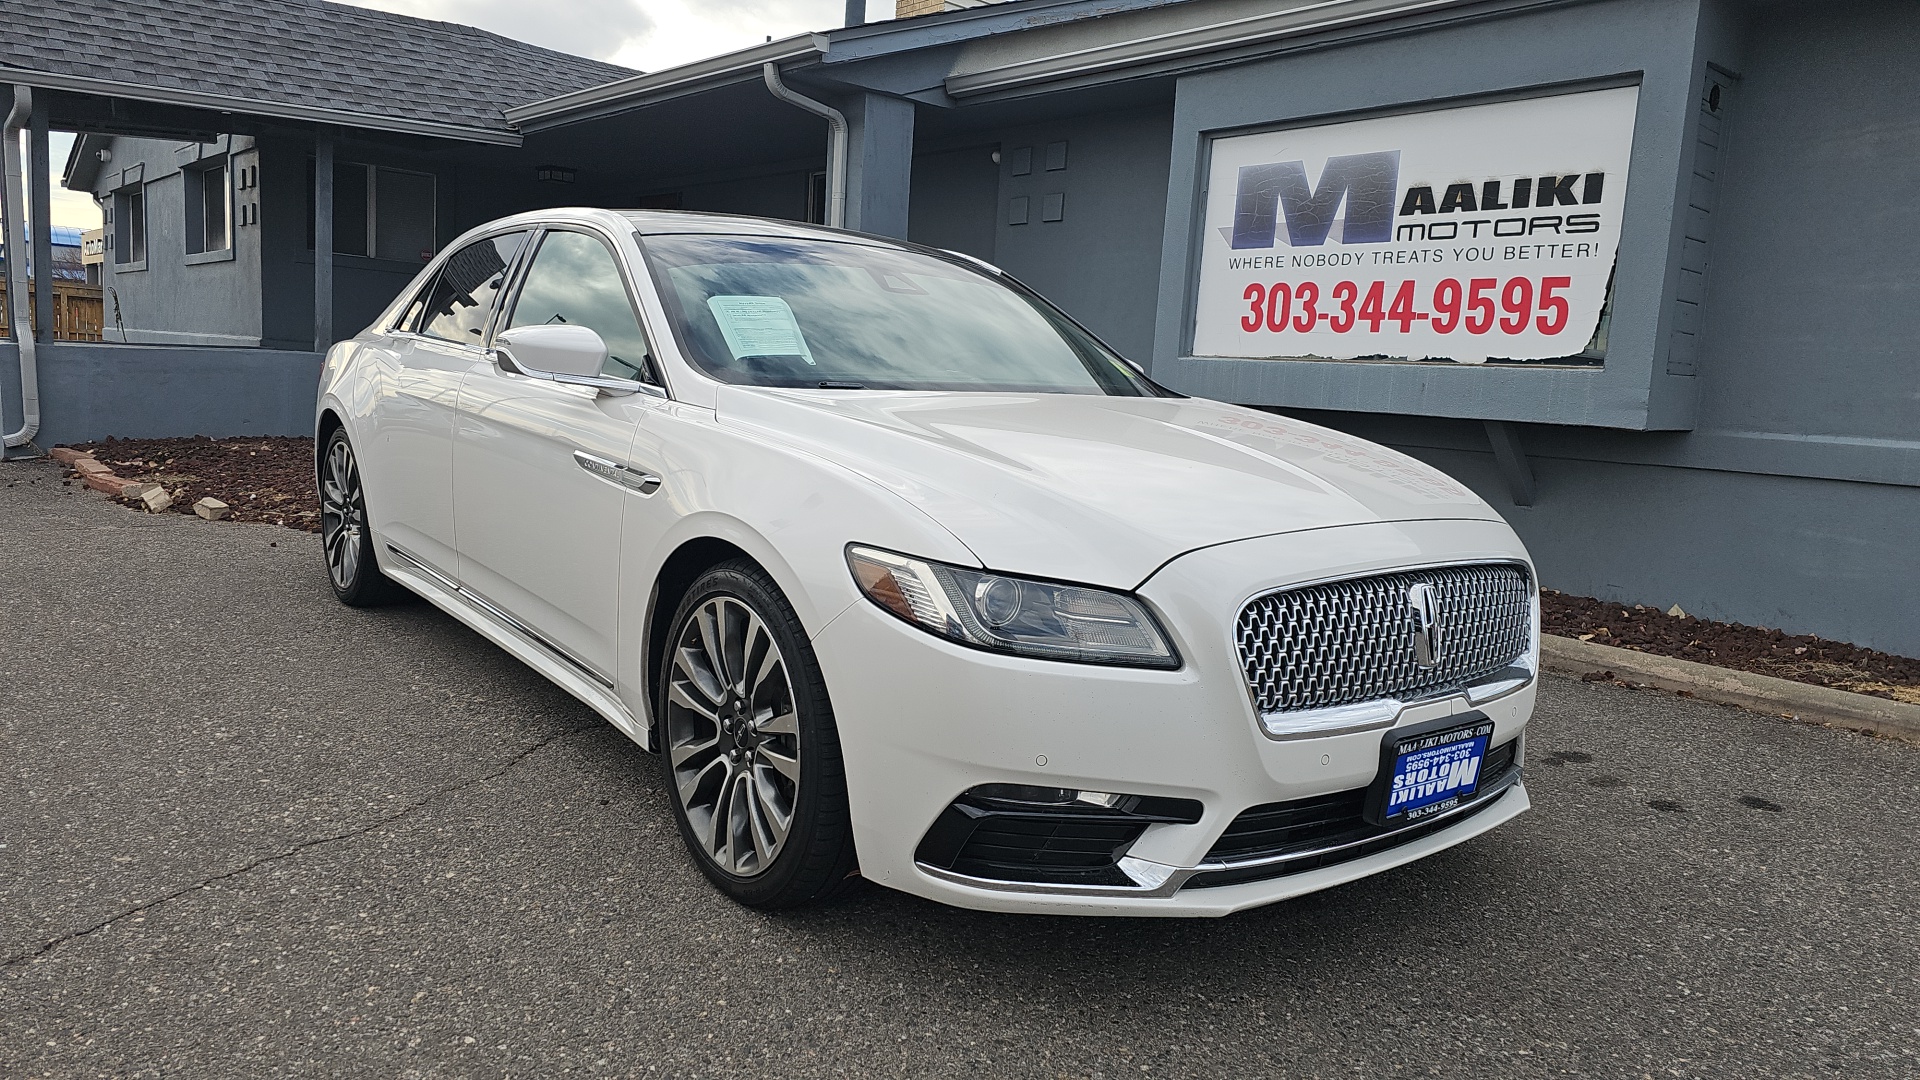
x,y
1101,490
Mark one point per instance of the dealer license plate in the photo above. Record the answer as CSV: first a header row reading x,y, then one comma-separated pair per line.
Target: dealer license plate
x,y
1429,769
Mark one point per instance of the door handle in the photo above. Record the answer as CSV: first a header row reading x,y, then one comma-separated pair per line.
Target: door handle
x,y
638,481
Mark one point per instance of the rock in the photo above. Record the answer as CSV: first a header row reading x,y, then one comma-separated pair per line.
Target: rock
x,y
157,500
104,482
1676,612
67,455
212,509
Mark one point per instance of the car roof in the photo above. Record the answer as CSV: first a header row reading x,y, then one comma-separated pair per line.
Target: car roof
x,y
667,222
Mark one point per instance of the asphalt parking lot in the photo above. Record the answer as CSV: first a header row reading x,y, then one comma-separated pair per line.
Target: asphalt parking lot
x,y
245,831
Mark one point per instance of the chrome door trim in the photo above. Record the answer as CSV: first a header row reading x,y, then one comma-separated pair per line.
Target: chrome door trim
x,y
638,481
496,612
417,563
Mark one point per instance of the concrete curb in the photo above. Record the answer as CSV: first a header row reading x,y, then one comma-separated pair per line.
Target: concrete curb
x,y
1761,693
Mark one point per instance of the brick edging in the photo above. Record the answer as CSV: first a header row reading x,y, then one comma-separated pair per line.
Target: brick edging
x,y
1760,693
156,499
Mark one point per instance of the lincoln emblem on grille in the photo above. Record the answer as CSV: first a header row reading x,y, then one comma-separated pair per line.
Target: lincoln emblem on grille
x,y
1426,623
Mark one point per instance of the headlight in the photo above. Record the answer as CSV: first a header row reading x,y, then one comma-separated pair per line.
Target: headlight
x,y
1013,615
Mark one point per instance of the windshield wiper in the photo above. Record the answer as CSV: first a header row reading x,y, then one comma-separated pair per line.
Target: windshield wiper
x,y
833,385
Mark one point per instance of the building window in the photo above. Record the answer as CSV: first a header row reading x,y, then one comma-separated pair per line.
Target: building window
x,y
209,221
130,226
380,212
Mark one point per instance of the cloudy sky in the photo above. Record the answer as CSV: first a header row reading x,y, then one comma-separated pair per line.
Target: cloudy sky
x,y
644,34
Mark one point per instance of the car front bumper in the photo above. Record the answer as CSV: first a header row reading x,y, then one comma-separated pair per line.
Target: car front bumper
x,y
923,720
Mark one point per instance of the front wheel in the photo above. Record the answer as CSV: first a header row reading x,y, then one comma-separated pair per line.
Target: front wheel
x,y
344,535
749,743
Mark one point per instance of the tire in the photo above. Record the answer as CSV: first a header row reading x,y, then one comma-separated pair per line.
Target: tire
x,y
346,541
747,739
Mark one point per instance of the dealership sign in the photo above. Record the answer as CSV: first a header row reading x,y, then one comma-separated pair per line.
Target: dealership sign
x,y
1487,231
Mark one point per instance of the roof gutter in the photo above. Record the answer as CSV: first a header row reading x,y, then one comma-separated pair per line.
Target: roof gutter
x,y
18,315
195,99
836,142
1260,29
652,88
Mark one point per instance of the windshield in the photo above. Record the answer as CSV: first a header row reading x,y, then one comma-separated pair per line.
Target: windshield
x,y
818,314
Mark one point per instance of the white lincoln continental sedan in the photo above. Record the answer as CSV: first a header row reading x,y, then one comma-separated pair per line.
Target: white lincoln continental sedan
x,y
904,575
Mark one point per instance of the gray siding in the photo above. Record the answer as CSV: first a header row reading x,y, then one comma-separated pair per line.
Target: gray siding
x,y
91,391
1101,260
1795,500
955,193
178,299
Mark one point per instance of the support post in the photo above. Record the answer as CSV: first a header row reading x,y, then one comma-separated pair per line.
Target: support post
x,y
856,12
880,164
13,227
39,185
1512,461
323,239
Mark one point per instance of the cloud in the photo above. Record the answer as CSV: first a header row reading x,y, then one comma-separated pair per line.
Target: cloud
x,y
595,28
645,34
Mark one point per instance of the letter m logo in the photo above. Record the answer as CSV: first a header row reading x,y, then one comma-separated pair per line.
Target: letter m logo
x,y
1364,183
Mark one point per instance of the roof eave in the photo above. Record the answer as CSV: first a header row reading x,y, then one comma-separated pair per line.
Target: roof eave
x,y
195,99
83,162
950,27
657,86
1116,60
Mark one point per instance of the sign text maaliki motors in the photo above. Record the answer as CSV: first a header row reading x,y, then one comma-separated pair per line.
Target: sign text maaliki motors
x,y
1466,233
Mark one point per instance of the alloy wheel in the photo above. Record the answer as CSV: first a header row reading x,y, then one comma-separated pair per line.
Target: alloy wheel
x,y
733,736
343,514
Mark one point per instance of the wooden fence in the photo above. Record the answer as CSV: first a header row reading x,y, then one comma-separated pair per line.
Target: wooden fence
x,y
78,314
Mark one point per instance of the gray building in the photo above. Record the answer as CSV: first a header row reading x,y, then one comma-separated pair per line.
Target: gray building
x,y
1640,271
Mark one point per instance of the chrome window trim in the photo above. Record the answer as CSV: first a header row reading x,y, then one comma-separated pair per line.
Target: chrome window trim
x,y
439,264
503,314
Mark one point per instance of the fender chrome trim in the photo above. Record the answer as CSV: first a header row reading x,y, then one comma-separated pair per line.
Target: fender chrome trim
x,y
638,481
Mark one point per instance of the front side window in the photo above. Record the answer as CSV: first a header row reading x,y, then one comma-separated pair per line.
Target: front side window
x,y
463,295
208,225
574,279
815,313
379,212
130,225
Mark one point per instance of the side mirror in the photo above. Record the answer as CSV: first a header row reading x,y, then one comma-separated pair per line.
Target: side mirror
x,y
552,349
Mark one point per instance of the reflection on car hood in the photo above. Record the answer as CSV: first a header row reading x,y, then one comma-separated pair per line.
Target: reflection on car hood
x,y
1101,490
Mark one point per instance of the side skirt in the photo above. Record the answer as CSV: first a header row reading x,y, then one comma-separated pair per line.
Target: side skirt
x,y
447,597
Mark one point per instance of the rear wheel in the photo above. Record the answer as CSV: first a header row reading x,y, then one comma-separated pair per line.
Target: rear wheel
x,y
344,536
749,743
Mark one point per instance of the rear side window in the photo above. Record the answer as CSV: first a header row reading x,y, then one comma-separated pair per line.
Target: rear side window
x,y
463,295
574,279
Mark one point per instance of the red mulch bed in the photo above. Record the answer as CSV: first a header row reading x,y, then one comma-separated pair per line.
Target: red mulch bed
x,y
1799,657
263,478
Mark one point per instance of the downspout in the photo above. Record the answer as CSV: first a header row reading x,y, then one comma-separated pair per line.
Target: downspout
x,y
836,143
18,310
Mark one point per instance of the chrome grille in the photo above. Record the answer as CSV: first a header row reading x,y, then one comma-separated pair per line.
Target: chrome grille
x,y
1344,642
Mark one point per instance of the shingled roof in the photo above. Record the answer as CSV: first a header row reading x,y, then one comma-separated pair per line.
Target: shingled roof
x,y
298,59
